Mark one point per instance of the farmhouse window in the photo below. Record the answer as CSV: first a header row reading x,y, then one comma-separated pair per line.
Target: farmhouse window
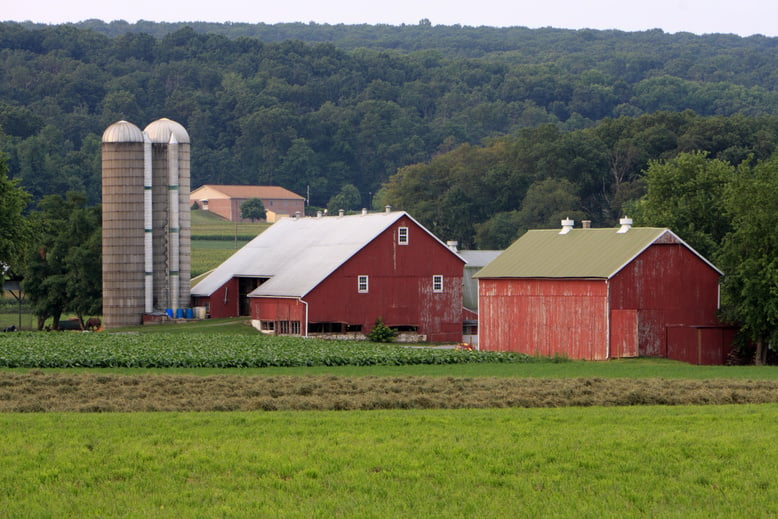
x,y
362,285
437,283
402,236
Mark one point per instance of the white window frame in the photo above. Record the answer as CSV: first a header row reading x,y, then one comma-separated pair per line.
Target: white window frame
x,y
437,283
403,236
363,284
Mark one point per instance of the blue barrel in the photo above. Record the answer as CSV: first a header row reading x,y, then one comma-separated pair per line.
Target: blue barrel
x,y
169,312
179,313
189,313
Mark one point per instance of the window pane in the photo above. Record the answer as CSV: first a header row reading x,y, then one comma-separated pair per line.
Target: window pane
x,y
402,236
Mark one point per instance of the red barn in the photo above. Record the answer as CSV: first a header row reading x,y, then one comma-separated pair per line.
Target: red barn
x,y
338,274
602,293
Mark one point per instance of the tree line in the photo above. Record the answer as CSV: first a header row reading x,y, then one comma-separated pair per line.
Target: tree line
x,y
319,116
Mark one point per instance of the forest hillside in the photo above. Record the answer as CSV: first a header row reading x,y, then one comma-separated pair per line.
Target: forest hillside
x,y
469,128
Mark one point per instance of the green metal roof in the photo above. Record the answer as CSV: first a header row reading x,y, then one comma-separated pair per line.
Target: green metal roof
x,y
581,253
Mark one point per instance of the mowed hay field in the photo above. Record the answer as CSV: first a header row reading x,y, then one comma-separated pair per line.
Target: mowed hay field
x,y
408,433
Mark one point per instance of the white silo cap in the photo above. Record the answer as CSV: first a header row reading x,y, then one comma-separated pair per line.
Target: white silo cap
x,y
122,131
160,131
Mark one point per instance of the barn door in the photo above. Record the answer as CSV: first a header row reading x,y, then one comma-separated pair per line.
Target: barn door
x,y
624,334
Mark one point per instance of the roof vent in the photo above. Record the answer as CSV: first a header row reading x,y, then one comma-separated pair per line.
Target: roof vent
x,y
364,211
567,226
297,214
341,212
388,208
586,224
626,225
452,244
319,214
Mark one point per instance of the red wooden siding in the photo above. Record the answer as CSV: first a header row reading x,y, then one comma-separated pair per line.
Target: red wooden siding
x,y
400,287
668,285
223,302
544,316
277,309
662,304
700,345
624,333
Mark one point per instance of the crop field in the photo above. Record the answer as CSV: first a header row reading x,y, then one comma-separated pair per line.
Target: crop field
x,y
127,350
211,419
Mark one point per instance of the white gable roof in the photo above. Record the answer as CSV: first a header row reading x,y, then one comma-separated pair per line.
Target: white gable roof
x,y
296,254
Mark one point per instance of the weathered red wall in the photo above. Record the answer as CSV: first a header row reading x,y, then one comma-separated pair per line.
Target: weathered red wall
x,y
400,287
544,316
278,309
700,345
668,285
223,302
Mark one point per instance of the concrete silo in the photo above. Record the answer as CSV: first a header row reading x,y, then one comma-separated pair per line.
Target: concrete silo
x,y
146,221
123,162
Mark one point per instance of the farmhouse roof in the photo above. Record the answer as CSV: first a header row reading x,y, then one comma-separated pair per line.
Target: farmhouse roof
x,y
580,253
234,191
296,254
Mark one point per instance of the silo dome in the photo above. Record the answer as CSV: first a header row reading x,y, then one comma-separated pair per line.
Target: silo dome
x,y
123,131
160,131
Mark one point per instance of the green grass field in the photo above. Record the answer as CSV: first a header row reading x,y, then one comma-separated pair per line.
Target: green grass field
x,y
597,462
215,239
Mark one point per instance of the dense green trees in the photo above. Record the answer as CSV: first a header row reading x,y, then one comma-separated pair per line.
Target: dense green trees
x,y
357,103
64,264
486,196
749,255
14,231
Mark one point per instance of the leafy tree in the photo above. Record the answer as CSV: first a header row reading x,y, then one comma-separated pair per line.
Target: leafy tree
x,y
14,229
686,194
253,209
749,255
64,269
348,199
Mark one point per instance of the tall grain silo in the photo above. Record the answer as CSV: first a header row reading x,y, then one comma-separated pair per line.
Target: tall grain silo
x,y
123,225
146,221
171,215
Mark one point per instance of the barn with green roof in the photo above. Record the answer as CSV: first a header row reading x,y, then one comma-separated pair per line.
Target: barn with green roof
x,y
601,294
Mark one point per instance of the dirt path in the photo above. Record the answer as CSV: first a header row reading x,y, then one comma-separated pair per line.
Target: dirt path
x,y
49,392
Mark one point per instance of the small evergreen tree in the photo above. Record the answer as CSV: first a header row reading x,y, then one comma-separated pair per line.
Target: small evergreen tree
x,y
381,332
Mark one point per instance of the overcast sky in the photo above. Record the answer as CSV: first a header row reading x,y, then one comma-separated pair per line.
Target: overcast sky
x,y
743,17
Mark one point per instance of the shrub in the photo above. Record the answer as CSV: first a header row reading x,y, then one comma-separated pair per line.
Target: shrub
x,y
381,332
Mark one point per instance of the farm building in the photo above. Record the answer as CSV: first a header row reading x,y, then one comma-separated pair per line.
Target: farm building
x,y
603,293
338,274
476,260
226,201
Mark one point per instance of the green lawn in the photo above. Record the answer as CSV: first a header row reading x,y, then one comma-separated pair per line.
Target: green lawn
x,y
712,461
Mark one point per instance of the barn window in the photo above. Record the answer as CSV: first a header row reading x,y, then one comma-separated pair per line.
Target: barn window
x,y
437,283
402,236
289,327
362,284
267,326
